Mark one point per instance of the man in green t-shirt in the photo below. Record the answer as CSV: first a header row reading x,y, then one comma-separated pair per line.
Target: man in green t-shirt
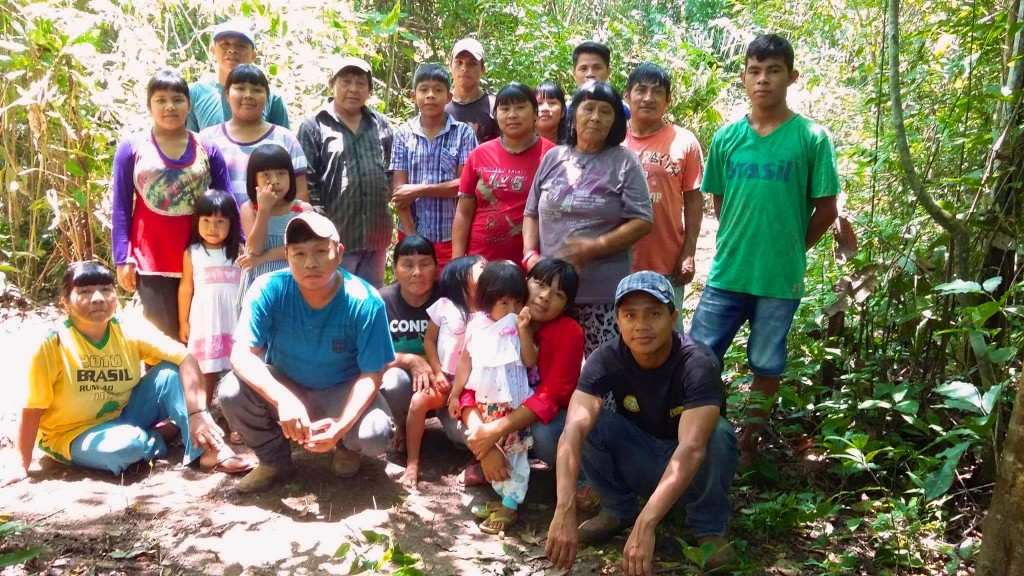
x,y
773,178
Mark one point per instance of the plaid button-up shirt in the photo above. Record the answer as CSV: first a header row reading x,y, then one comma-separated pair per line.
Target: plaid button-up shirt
x,y
432,162
348,175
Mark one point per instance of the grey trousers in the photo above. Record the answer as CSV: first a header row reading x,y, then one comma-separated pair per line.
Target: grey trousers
x,y
256,420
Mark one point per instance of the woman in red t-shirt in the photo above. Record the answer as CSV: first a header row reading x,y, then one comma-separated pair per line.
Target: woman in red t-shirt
x,y
552,288
497,179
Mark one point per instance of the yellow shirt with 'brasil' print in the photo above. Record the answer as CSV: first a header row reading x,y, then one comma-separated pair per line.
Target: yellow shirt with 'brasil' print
x,y
79,383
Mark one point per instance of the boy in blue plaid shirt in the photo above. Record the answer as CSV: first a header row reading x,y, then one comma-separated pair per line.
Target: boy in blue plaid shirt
x,y
427,157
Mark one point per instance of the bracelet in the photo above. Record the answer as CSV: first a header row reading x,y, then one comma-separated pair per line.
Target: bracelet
x,y
194,412
526,257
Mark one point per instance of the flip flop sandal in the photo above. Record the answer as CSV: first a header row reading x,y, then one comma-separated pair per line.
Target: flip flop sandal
x,y
499,522
484,511
220,467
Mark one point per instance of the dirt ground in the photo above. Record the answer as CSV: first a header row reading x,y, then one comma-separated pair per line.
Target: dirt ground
x,y
165,519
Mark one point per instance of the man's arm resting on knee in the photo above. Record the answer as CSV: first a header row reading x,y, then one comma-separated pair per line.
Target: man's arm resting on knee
x,y
695,428
249,366
563,534
329,431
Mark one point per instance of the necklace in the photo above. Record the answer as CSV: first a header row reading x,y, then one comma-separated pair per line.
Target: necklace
x,y
521,150
479,94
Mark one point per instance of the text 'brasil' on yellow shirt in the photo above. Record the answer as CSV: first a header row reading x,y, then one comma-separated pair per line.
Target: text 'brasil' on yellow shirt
x,y
79,383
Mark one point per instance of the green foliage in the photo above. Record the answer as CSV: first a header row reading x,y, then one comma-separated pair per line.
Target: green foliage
x,y
379,552
18,555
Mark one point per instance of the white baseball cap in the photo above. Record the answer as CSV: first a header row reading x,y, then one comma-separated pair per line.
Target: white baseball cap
x,y
237,27
471,45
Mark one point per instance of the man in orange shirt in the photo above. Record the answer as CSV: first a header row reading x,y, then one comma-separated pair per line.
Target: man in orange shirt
x,y
672,158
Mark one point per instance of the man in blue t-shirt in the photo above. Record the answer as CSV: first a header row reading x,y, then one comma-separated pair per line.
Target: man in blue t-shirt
x,y
309,351
668,441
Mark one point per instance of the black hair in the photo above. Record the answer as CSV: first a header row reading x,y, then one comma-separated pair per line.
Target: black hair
x,y
353,70
84,273
499,280
247,74
768,46
591,47
431,72
549,89
603,92
218,203
264,158
454,281
413,245
648,73
548,269
167,80
515,93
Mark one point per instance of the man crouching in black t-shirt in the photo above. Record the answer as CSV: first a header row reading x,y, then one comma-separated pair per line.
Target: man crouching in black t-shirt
x,y
668,442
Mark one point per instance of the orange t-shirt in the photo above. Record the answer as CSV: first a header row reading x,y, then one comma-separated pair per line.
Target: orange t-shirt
x,y
674,163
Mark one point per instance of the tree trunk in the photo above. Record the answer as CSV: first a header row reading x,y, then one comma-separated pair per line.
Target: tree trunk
x,y
1003,531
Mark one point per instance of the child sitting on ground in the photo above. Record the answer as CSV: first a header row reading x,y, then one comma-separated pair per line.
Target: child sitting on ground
x,y
442,344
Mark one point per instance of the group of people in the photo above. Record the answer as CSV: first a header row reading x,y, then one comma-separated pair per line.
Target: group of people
x,y
543,250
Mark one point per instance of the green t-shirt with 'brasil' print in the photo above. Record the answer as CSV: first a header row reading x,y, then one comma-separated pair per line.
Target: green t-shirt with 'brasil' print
x,y
768,185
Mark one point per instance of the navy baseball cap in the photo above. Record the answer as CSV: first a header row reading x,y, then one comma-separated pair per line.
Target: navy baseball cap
x,y
646,281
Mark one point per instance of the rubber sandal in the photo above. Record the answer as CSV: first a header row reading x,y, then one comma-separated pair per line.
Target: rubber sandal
x,y
499,522
484,511
222,458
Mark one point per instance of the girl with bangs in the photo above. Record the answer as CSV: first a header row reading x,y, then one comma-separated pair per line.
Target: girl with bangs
x,y
496,181
158,174
247,91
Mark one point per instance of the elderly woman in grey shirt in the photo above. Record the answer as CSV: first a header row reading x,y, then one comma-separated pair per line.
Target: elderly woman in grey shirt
x,y
588,205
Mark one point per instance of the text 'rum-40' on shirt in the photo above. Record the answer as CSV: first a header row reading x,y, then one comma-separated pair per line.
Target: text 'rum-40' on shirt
x,y
153,200
236,154
500,182
589,194
432,161
768,186
655,399
674,163
79,383
316,347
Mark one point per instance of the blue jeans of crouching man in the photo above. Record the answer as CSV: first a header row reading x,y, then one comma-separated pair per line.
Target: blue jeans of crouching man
x,y
625,463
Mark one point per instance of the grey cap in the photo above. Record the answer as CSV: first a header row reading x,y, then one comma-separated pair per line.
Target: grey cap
x,y
236,27
646,281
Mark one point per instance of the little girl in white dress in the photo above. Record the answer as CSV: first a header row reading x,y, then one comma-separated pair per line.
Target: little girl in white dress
x,y
499,349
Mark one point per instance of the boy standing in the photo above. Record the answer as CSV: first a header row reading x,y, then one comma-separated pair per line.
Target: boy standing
x,y
773,178
427,157
672,158
232,45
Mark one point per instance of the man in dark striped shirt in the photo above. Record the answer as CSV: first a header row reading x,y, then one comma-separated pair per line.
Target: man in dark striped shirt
x,y
348,151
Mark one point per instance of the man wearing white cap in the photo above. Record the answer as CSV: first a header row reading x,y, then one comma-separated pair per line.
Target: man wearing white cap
x,y
308,354
668,441
233,44
469,103
348,153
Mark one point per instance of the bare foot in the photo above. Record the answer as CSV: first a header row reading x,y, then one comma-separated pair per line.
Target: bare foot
x,y
410,478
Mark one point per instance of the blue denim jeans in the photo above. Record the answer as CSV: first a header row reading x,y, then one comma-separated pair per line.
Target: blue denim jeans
x,y
720,314
117,444
625,463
